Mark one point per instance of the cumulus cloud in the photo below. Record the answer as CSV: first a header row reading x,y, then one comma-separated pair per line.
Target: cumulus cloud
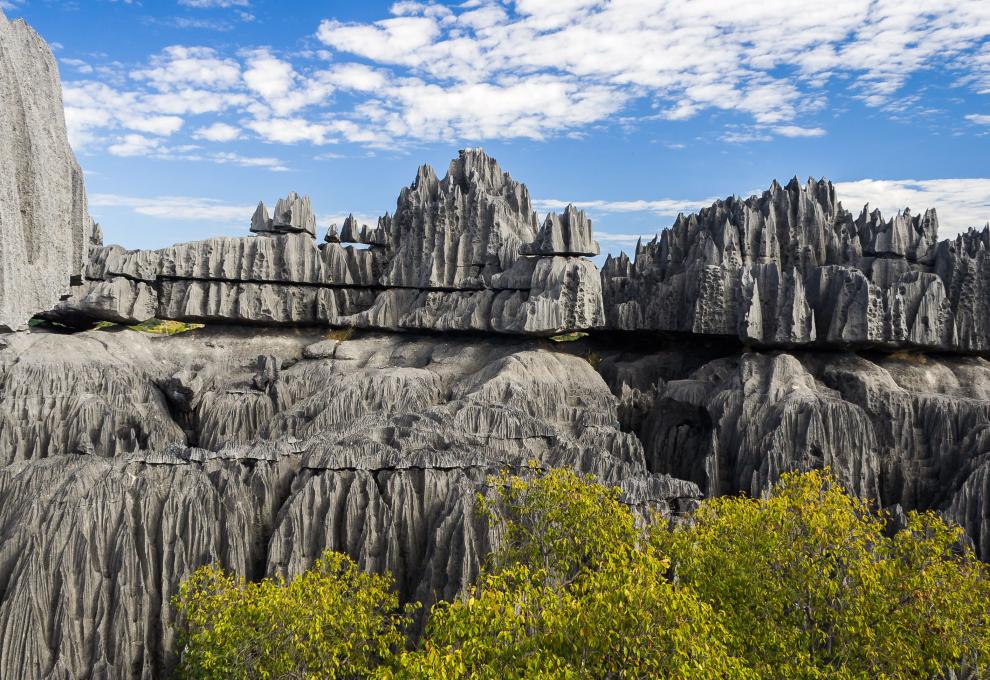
x,y
189,66
768,61
177,207
797,131
218,132
665,206
978,118
529,69
204,4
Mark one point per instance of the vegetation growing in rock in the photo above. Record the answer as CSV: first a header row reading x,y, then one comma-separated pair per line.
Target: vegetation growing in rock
x,y
806,583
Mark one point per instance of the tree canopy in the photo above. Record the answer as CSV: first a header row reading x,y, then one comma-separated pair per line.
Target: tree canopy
x,y
807,583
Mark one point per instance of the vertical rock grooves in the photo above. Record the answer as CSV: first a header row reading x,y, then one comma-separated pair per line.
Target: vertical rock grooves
x,y
374,446
43,217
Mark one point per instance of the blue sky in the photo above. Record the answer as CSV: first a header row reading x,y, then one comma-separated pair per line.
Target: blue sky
x,y
185,113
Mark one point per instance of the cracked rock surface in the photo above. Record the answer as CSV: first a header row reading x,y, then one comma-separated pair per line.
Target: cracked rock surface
x,y
129,460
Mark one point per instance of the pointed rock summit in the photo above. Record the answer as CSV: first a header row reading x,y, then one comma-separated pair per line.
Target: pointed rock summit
x,y
568,233
294,214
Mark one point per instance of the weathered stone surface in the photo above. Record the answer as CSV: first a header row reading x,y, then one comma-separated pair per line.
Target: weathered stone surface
x,y
45,228
793,268
903,429
222,445
451,259
566,234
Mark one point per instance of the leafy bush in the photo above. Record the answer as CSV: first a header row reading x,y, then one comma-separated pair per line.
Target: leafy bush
x,y
811,585
333,621
804,584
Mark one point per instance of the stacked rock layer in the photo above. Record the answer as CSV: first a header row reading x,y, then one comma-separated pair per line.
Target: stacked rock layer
x,y
793,268
462,253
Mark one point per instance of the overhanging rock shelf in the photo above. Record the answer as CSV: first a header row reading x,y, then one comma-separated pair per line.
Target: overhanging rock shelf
x,y
790,268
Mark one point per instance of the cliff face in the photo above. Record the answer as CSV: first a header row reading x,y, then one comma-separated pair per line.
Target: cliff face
x,y
126,461
130,461
44,224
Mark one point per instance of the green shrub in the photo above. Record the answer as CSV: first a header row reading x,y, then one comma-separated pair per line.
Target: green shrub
x,y
333,621
804,584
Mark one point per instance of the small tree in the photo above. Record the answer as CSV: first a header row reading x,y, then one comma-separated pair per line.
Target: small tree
x,y
572,593
811,586
333,621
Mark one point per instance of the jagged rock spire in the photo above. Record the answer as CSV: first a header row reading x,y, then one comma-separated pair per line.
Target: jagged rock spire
x,y
568,233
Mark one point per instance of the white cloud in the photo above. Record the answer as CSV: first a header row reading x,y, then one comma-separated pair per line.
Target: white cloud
x,y
203,4
290,130
665,206
269,76
531,69
979,119
218,132
357,77
78,64
797,131
768,61
180,65
134,145
610,241
177,208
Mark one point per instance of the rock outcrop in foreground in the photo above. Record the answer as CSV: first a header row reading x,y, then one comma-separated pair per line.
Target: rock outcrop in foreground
x,y
44,225
793,268
128,461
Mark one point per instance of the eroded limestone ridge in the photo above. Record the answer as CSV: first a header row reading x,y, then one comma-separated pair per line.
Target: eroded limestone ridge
x,y
792,267
44,223
465,253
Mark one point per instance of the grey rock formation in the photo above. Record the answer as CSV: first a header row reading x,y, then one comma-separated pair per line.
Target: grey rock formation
x,y
294,214
452,258
793,268
45,228
566,234
908,430
137,459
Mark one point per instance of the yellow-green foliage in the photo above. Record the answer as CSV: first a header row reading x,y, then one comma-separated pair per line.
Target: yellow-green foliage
x,y
573,593
803,584
811,587
341,334
333,621
165,327
568,337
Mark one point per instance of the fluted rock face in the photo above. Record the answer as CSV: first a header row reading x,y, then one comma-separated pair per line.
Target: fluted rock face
x,y
458,255
565,234
455,232
44,224
903,429
793,268
130,461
